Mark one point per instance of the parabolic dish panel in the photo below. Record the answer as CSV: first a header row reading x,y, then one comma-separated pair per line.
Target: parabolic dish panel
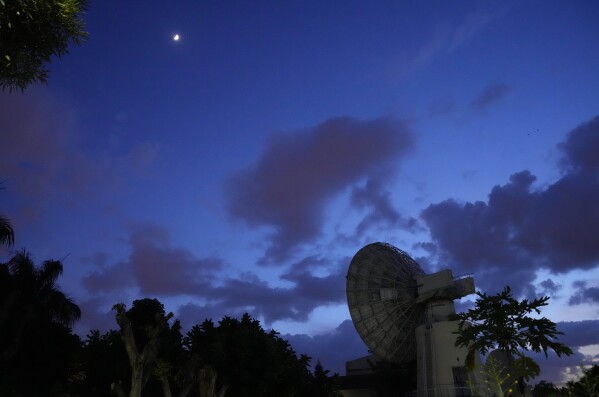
x,y
381,292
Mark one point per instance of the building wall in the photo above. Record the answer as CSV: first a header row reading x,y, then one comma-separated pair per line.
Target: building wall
x,y
437,357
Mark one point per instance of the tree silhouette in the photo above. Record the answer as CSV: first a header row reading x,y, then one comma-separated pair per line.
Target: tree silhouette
x,y
150,358
29,295
325,385
502,322
101,360
546,389
35,338
587,385
250,360
148,321
31,32
7,235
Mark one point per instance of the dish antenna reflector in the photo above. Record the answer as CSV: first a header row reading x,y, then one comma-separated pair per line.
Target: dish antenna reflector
x,y
381,295
401,314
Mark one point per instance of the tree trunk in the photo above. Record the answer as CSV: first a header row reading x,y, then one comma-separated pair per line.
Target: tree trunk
x,y
136,382
161,372
208,384
117,388
141,363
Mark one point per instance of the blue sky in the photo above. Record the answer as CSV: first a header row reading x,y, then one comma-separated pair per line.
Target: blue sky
x,y
241,167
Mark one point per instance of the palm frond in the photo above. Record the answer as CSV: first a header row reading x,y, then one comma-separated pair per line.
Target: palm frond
x,y
7,234
49,272
21,265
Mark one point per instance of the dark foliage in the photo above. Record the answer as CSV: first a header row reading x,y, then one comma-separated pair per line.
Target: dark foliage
x,y
7,234
502,322
40,356
31,32
324,384
587,385
547,389
35,339
252,361
101,360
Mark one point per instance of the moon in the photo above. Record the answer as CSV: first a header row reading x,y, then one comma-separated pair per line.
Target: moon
x,y
176,37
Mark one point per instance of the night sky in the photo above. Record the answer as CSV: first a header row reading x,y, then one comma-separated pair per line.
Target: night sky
x,y
240,167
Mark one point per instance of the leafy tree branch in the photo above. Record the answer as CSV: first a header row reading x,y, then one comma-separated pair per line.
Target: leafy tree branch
x,y
502,322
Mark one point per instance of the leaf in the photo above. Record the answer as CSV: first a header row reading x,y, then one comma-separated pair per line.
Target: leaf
x,y
526,367
502,322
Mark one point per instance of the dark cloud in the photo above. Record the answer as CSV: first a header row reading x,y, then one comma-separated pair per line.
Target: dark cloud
x,y
191,313
556,369
157,268
579,333
548,286
332,349
576,335
490,95
96,313
288,187
38,153
46,160
584,294
116,277
581,148
327,289
374,198
248,293
462,305
520,229
98,259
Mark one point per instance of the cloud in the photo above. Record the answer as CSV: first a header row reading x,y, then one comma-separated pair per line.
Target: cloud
x,y
490,95
156,268
374,198
109,279
472,25
96,313
38,144
520,229
248,293
445,39
46,161
556,369
584,294
192,313
332,349
288,187
549,287
580,148
579,333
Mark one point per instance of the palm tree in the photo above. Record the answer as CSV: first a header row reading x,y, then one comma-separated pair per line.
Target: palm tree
x,y
7,236
30,297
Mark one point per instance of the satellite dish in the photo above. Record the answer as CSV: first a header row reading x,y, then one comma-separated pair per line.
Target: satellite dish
x,y
381,295
402,314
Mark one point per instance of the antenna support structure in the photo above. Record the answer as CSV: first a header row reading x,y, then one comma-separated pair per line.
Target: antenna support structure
x,y
401,313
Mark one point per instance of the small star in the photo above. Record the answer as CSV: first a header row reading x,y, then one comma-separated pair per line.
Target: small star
x,y
176,37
